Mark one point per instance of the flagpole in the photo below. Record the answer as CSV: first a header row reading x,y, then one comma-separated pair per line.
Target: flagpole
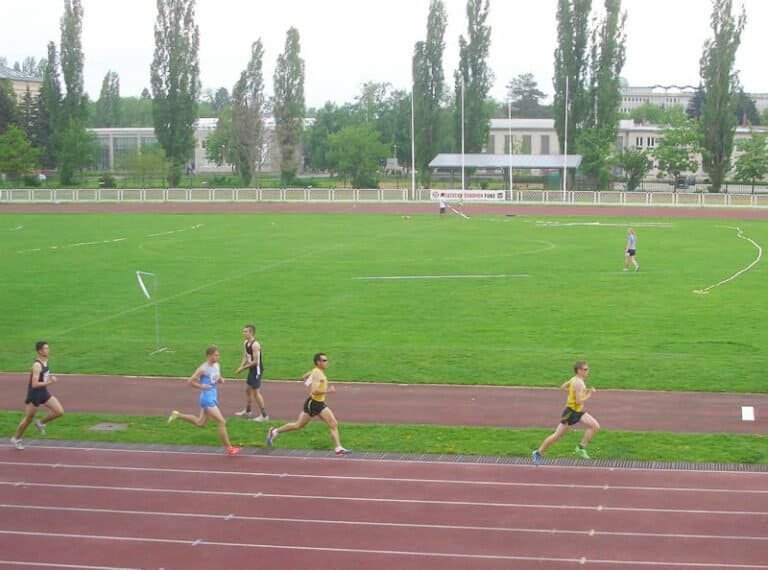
x,y
462,134
565,145
413,147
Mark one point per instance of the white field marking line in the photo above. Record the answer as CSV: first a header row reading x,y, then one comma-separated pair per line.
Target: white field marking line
x,y
418,554
740,235
418,480
195,227
16,229
116,240
384,500
478,276
231,516
348,458
55,565
606,225
458,213
259,269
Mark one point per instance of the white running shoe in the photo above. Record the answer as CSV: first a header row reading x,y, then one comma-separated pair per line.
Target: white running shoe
x,y
341,451
260,419
272,436
40,427
243,414
17,443
174,416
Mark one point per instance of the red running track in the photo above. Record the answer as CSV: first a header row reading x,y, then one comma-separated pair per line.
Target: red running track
x,y
110,508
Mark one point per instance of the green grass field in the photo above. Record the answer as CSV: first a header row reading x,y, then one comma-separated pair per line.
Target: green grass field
x,y
297,278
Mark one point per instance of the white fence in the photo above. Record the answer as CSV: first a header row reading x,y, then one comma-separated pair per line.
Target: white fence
x,y
180,195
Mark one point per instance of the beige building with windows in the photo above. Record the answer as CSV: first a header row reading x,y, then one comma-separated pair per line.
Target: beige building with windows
x,y
538,137
667,96
20,82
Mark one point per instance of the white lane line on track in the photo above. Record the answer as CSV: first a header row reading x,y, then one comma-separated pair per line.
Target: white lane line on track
x,y
231,516
55,565
569,468
419,554
329,498
418,480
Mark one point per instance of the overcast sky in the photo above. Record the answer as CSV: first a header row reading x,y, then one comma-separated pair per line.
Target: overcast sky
x,y
348,42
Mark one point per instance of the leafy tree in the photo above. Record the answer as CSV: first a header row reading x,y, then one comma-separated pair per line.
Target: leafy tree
x,y
108,105
27,115
221,100
78,151
394,125
146,95
752,162
248,121
72,117
17,156
329,119
718,121
8,115
474,78
746,110
635,164
648,113
525,97
136,112
607,56
145,164
676,151
220,146
428,89
175,75
693,110
355,153
571,61
49,110
764,117
289,107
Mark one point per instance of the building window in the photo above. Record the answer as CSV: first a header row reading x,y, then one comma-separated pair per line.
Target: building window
x,y
527,144
509,144
651,142
638,142
544,144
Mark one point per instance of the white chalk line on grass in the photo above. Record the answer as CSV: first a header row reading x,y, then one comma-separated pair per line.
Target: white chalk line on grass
x,y
605,224
457,276
364,523
378,500
379,479
740,235
107,241
417,554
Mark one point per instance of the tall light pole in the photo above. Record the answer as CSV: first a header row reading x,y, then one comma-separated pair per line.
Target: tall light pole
x,y
509,119
462,134
413,147
565,144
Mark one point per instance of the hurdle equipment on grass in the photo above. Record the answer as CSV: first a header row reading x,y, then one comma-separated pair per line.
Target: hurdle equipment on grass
x,y
140,277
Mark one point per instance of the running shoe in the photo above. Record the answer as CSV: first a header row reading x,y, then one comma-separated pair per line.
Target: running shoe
x,y
17,443
341,451
174,416
40,427
581,452
260,419
536,457
271,436
234,450
243,414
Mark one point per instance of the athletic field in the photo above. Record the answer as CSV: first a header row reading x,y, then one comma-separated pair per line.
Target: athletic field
x,y
495,299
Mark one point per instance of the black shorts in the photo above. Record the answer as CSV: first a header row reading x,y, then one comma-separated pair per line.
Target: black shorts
x,y
254,379
37,396
571,417
313,407
631,252
442,210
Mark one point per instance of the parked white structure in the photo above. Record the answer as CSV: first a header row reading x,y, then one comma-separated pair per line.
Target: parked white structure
x,y
667,96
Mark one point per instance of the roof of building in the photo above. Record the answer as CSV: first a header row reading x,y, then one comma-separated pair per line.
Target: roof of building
x,y
8,73
523,124
553,161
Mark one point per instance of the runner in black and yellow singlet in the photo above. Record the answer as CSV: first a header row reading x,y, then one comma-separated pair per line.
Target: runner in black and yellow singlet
x,y
314,406
573,413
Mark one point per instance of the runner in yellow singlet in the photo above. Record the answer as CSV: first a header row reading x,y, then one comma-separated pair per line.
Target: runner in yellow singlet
x,y
314,406
573,413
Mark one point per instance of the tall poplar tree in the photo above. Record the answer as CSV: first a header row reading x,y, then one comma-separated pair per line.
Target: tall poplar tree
x,y
474,78
289,106
607,56
571,64
49,109
720,82
175,77
429,88
108,105
248,121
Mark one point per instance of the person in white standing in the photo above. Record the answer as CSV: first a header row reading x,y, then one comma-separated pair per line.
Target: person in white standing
x,y
630,251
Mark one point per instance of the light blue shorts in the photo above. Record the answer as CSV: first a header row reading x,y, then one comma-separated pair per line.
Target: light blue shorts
x,y
208,399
